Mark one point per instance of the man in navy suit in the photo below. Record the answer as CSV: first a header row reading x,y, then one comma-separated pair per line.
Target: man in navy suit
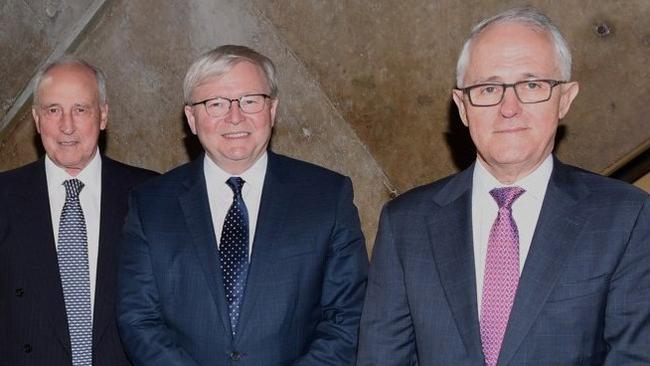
x,y
39,280
520,259
243,256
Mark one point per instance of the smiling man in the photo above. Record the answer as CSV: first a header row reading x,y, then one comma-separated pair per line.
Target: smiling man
x,y
243,256
520,259
60,223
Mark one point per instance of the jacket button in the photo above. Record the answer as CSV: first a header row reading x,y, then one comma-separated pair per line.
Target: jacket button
x,y
20,292
27,348
235,356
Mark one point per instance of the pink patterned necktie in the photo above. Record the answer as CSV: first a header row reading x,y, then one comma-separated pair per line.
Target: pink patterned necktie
x,y
501,274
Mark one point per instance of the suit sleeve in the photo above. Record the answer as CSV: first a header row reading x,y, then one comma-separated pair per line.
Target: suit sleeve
x,y
344,285
387,337
627,318
144,333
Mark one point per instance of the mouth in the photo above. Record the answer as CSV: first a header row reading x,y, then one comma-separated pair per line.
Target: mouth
x,y
235,135
511,130
68,143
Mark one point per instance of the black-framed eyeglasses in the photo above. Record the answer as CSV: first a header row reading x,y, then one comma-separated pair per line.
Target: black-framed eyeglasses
x,y
527,91
220,106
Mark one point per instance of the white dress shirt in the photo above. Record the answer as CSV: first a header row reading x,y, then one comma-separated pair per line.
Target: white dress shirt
x,y
525,211
220,194
90,200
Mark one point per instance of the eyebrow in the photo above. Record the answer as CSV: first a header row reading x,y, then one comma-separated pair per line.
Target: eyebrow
x,y
498,79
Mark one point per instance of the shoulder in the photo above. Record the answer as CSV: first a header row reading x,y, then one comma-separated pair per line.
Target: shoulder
x,y
172,181
21,176
298,172
428,196
120,170
601,188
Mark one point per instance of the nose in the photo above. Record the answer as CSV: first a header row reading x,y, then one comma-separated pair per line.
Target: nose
x,y
235,115
66,125
510,105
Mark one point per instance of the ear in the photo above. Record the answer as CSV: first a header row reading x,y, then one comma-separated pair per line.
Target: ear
x,y
191,121
274,106
458,99
569,93
37,121
103,116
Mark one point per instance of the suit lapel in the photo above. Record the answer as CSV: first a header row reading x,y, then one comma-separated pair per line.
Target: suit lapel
x,y
558,226
196,210
42,267
450,234
110,225
276,197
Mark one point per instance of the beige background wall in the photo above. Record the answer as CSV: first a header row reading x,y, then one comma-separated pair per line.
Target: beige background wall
x,y
364,85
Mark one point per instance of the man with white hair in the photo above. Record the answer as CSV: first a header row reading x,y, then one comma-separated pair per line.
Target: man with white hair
x,y
60,223
520,259
242,257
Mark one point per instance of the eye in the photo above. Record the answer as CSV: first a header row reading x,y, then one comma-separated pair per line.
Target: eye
x,y
53,111
488,89
80,110
217,103
533,85
249,100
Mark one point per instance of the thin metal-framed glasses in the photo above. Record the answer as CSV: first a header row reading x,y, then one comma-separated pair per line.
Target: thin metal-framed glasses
x,y
527,91
220,106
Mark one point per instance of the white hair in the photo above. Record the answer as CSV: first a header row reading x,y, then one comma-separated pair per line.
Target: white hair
x,y
220,60
71,60
525,15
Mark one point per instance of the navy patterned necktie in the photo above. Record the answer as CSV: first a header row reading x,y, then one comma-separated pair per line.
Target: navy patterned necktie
x,y
233,251
72,255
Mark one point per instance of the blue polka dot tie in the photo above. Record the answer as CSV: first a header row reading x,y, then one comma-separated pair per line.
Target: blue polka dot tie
x,y
72,255
233,252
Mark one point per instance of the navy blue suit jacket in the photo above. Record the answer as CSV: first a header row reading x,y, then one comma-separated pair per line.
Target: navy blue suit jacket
x,y
305,286
33,322
583,295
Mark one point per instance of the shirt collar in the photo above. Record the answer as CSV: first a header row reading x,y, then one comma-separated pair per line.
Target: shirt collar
x,y
253,176
534,183
90,176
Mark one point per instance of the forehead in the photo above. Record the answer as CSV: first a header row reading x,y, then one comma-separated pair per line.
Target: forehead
x,y
68,82
511,51
244,77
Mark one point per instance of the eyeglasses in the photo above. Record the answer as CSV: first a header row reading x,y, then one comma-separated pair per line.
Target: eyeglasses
x,y
220,106
527,91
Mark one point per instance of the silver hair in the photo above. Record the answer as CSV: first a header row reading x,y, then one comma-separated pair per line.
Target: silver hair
x,y
220,60
525,15
71,60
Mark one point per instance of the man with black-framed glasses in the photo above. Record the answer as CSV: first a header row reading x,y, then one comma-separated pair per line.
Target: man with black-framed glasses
x,y
519,259
243,256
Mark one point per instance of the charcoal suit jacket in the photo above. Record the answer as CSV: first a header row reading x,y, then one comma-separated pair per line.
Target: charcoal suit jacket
x,y
583,296
33,321
306,278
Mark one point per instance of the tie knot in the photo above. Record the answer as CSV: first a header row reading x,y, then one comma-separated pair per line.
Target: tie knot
x,y
236,184
72,188
505,196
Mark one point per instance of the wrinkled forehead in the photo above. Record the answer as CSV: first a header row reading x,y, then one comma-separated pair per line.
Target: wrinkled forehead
x,y
69,80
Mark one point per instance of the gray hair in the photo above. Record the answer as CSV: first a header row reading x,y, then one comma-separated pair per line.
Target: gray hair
x,y
71,60
525,15
220,60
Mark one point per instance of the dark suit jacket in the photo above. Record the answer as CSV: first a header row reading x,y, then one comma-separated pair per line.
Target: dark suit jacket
x,y
306,278
33,324
583,295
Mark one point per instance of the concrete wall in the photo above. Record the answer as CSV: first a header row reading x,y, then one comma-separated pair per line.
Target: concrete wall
x,y
364,85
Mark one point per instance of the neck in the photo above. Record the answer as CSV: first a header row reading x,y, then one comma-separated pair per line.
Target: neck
x,y
508,174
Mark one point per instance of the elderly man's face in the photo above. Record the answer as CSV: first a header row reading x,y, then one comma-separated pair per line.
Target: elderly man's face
x,y
513,138
236,140
69,116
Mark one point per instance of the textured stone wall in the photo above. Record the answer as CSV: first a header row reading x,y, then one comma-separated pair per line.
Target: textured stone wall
x,y
364,85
